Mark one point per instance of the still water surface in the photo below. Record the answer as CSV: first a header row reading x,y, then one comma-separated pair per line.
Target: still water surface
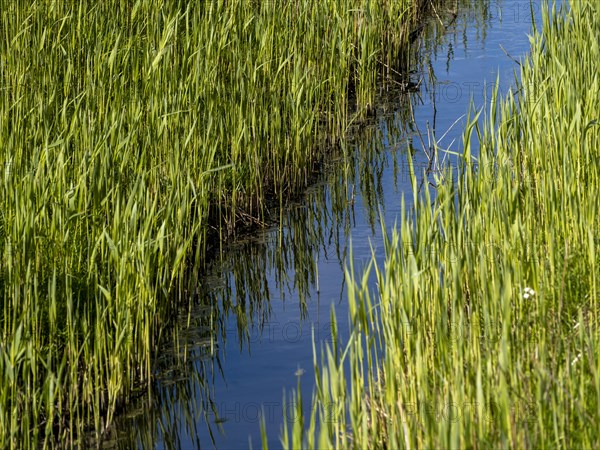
x,y
272,293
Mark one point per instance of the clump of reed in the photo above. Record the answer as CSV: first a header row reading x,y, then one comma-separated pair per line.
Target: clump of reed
x,y
126,130
484,328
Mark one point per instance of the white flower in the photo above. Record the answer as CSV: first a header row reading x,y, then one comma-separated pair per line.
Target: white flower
x,y
528,292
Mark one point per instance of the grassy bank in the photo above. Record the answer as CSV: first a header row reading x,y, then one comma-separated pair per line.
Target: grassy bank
x,y
484,329
127,130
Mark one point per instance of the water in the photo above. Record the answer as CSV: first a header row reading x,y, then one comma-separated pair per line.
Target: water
x,y
273,292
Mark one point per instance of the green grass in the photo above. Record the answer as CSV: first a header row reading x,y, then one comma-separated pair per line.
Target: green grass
x,y
453,350
127,131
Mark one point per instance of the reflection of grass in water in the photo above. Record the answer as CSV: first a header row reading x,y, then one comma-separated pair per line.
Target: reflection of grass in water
x,y
180,399
502,350
280,263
